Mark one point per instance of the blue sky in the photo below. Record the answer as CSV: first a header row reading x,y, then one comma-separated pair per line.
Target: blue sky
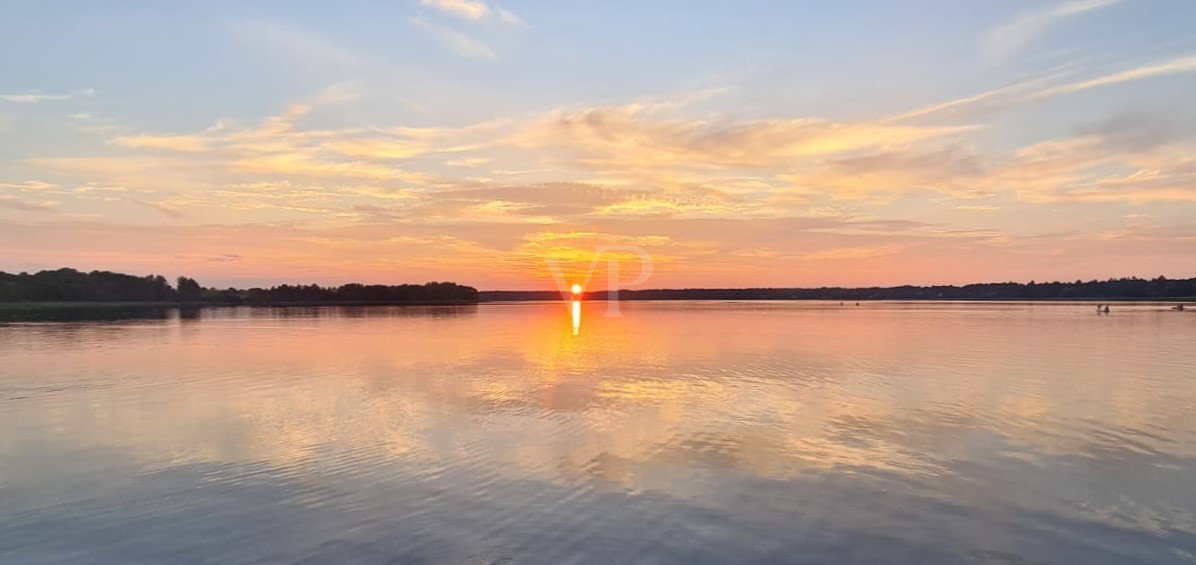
x,y
739,143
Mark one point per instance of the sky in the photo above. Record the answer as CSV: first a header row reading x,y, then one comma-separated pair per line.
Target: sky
x,y
676,143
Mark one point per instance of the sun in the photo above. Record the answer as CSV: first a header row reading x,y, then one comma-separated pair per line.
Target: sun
x,y
576,288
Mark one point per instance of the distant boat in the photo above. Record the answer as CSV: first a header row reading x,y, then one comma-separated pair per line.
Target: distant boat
x,y
1179,308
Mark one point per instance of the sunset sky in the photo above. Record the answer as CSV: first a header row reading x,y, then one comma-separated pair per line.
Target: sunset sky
x,y
737,143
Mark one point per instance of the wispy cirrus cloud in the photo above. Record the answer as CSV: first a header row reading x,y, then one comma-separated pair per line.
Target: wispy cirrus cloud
x,y
989,98
509,18
37,96
1009,38
15,203
29,185
475,11
1175,66
472,10
1048,86
158,206
33,97
459,42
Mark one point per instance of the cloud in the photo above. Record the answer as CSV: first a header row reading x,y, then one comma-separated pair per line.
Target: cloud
x,y
278,147
655,155
706,251
37,96
1180,65
300,49
632,138
989,98
475,11
1007,39
667,206
468,163
33,97
647,159
654,159
509,18
882,175
158,206
165,142
1135,131
852,253
1114,163
472,11
9,201
466,9
1039,88
459,42
29,185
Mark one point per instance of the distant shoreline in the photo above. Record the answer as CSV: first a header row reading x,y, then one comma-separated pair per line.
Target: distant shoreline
x,y
67,305
799,295
629,299
68,287
32,306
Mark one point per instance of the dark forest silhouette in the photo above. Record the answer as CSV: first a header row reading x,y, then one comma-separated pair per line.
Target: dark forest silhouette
x,y
69,285
1160,288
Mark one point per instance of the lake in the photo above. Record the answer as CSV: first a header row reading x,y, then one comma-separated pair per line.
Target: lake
x,y
677,432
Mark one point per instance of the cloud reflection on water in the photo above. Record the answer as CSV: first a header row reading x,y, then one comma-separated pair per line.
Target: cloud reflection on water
x,y
1036,407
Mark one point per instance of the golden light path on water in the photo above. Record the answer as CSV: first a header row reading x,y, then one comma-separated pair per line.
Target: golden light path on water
x,y
675,432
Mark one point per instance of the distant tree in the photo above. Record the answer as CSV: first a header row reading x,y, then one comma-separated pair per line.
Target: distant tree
x,y
189,290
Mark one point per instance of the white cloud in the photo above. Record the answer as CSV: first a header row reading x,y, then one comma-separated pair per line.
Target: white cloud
x,y
1009,38
475,11
994,97
28,185
1172,67
469,162
9,201
1039,88
33,97
459,42
37,96
509,18
466,9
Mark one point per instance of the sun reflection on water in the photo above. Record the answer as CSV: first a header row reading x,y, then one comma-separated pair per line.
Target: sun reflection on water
x,y
684,400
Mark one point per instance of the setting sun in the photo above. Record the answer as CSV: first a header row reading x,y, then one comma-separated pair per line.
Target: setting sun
x,y
874,282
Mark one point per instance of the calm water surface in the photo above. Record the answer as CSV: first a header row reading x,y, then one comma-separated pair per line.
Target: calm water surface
x,y
677,433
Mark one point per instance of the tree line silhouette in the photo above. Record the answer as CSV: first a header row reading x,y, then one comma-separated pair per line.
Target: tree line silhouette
x,y
69,285
1111,289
